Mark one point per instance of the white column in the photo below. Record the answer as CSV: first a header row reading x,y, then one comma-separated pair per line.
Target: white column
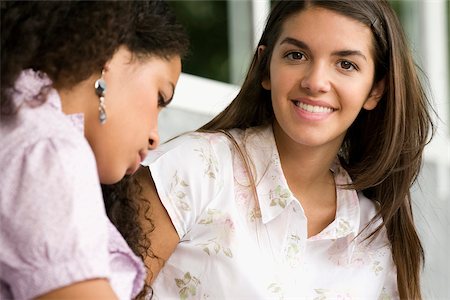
x,y
240,38
246,23
435,42
434,209
260,10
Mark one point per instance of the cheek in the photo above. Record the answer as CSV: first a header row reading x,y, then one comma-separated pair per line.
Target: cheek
x,y
354,93
282,90
150,120
147,114
284,79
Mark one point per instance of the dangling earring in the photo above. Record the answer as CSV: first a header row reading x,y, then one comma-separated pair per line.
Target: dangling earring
x,y
100,90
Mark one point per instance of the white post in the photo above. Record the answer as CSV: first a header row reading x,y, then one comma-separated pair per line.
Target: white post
x,y
260,10
435,43
240,38
434,207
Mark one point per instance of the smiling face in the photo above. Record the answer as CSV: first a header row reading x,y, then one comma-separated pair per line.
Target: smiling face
x,y
137,90
321,76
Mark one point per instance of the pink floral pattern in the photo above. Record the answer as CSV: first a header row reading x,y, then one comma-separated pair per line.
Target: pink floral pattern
x,y
244,247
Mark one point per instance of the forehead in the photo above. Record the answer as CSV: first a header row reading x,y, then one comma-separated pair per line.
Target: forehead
x,y
326,28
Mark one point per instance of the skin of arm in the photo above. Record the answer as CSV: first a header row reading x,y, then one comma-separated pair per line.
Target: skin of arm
x,y
89,289
164,238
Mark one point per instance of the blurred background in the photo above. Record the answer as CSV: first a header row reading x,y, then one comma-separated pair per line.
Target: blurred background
x,y
224,35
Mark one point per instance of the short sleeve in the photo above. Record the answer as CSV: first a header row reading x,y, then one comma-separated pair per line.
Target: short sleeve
x,y
188,176
53,221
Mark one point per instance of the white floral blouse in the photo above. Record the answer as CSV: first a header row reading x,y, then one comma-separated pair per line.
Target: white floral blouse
x,y
233,246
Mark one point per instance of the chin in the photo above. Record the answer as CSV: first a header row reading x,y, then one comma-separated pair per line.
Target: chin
x,y
111,178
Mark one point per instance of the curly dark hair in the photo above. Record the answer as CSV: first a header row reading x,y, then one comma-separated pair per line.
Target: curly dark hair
x,y
71,40
125,206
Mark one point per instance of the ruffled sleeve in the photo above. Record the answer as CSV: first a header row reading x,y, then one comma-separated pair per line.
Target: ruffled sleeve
x,y
53,223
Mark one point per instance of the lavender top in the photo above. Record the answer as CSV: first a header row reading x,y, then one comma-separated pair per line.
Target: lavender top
x,y
54,229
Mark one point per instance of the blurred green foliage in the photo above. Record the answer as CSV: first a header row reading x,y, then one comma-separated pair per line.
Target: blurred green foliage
x,y
206,22
207,27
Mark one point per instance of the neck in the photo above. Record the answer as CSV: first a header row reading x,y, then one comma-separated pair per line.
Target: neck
x,y
307,172
304,165
79,98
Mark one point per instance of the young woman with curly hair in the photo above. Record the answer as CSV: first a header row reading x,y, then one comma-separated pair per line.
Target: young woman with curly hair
x,y
82,84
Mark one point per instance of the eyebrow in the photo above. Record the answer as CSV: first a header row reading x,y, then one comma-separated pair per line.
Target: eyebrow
x,y
303,45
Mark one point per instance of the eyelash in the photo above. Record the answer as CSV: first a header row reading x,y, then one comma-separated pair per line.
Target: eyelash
x,y
161,102
352,65
289,56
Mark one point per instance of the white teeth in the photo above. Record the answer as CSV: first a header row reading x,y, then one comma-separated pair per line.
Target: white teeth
x,y
313,109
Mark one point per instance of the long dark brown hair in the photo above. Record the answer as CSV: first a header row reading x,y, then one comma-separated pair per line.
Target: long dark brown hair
x,y
382,150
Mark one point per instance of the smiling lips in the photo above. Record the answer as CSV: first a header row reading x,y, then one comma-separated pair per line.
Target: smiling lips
x,y
313,108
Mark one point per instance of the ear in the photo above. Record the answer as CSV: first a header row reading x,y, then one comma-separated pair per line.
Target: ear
x,y
375,95
265,83
104,72
106,66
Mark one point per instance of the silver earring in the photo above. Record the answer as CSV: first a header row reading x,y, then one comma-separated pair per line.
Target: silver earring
x,y
100,90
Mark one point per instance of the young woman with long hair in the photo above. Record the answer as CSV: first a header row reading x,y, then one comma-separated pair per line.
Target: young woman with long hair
x,y
300,188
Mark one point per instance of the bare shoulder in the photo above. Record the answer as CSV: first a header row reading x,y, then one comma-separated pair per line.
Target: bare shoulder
x,y
155,220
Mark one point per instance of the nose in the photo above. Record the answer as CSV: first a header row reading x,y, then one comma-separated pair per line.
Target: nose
x,y
153,140
316,79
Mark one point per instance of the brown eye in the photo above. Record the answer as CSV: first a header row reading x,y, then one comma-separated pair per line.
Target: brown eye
x,y
295,55
346,65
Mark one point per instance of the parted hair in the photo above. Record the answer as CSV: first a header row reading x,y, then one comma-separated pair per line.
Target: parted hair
x,y
382,150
